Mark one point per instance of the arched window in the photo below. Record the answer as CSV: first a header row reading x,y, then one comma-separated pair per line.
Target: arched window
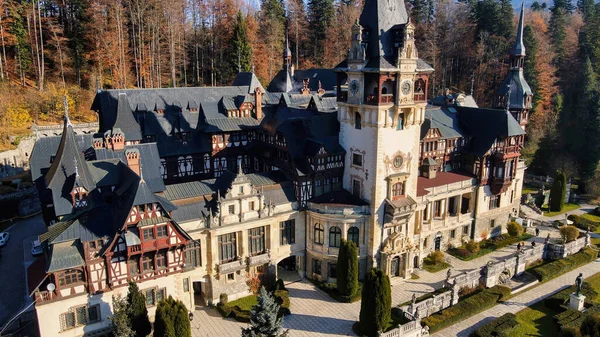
x,y
353,235
397,190
384,90
335,237
357,121
319,234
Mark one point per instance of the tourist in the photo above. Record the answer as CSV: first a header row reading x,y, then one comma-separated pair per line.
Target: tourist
x,y
537,231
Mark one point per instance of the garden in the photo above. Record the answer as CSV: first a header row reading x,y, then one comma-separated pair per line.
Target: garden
x,y
240,308
435,262
472,250
347,288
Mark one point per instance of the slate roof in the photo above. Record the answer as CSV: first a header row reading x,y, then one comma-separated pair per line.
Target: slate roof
x,y
327,77
323,104
46,147
423,66
377,19
64,256
143,195
67,170
230,124
104,172
247,80
442,119
280,194
152,221
519,89
189,212
518,48
191,189
485,125
125,120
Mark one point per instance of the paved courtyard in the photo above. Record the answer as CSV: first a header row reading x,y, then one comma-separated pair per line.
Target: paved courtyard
x,y
314,313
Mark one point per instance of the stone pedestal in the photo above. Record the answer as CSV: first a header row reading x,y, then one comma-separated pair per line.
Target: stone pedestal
x,y
576,302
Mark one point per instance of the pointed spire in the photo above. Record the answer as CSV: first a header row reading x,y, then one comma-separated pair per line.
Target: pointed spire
x,y
66,105
287,53
519,47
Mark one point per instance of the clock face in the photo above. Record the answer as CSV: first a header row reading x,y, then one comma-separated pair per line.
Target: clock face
x,y
353,87
406,87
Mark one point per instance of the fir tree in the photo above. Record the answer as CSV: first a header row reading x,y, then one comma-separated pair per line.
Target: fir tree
x,y
342,267
171,319
138,313
264,320
120,321
529,68
558,22
376,305
347,266
22,47
320,15
241,51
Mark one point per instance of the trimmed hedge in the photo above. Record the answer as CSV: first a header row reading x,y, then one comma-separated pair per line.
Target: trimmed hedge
x,y
487,246
466,308
499,327
331,290
583,223
560,300
556,268
281,296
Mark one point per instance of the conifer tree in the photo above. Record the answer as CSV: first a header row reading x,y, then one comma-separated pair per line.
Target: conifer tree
x,y
264,320
342,267
529,67
241,51
320,15
558,192
120,321
138,313
347,266
171,319
376,305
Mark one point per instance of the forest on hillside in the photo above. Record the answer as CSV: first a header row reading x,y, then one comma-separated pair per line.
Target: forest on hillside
x,y
50,48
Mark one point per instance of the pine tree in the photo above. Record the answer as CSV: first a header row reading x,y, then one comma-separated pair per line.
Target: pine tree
x,y
376,305
240,54
138,313
558,22
171,319
558,192
120,321
22,47
264,320
530,67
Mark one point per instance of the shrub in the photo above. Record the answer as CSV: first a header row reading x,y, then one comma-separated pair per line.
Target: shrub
x,y
514,229
569,233
436,257
253,282
472,246
279,285
347,278
498,327
556,301
596,211
556,268
591,326
569,332
558,192
138,313
224,309
466,308
171,319
223,298
583,223
376,306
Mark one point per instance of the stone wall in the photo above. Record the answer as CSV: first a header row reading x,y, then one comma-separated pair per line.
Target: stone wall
x,y
410,329
431,305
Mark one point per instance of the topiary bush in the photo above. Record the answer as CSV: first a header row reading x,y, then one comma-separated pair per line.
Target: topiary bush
x,y
558,192
499,327
376,306
223,298
556,268
569,233
472,246
514,229
583,223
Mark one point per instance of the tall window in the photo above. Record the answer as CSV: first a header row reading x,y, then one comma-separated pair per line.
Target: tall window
x,y
256,240
317,267
437,208
353,235
333,270
335,236
148,234
494,201
78,316
319,234
161,260
147,263
287,232
357,159
397,190
161,231
356,187
134,265
400,122
227,247
193,258
357,121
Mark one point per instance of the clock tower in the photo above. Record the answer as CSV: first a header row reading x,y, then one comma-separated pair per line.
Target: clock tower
x,y
382,94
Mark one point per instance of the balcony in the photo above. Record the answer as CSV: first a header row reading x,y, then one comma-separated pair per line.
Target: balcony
x,y
230,267
375,99
398,211
500,185
134,249
342,96
260,259
419,97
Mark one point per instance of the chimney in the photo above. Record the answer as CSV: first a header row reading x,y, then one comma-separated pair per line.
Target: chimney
x,y
258,103
118,140
133,160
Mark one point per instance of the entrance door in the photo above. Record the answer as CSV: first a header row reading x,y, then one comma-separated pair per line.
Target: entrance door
x,y
416,262
395,267
438,243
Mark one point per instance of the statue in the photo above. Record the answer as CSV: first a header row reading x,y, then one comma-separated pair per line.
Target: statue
x,y
448,274
579,284
547,238
414,299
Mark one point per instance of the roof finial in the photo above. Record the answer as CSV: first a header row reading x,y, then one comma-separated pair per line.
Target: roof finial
x,y
66,105
240,171
519,47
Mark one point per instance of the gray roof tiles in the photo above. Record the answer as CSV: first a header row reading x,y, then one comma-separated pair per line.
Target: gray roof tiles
x,y
64,256
442,119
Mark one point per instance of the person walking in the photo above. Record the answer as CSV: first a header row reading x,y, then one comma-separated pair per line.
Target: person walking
x,y
537,231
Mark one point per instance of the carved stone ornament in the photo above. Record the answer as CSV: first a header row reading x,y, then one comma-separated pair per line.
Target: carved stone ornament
x,y
398,162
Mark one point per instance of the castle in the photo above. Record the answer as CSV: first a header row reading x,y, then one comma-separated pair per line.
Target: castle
x,y
197,190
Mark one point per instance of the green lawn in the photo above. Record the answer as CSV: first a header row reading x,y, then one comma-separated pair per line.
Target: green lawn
x,y
245,303
591,217
566,208
529,189
487,246
434,268
536,320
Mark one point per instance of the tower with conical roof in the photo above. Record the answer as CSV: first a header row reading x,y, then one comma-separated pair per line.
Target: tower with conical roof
x,y
514,94
382,95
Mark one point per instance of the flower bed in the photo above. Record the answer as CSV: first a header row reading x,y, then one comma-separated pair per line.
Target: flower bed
x,y
240,308
331,290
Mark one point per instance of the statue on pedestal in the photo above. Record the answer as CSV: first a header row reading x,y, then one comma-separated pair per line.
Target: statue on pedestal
x,y
579,284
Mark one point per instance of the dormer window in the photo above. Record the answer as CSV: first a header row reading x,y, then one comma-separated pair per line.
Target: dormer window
x,y
193,109
160,111
80,197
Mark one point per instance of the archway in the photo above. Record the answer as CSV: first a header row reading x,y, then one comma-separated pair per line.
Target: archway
x,y
395,266
287,270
